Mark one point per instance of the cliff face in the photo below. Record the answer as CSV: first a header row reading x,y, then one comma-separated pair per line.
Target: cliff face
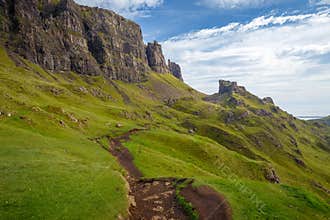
x,y
156,58
175,69
63,36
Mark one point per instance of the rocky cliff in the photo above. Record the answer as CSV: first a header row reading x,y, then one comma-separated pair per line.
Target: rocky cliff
x,y
175,69
226,87
156,58
61,35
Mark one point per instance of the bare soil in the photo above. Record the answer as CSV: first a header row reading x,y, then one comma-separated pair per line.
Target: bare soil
x,y
155,199
209,204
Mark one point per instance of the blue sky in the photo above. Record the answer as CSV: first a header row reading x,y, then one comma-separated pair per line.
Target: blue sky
x,y
277,48
176,17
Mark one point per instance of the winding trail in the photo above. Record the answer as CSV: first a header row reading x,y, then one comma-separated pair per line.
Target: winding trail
x,y
156,199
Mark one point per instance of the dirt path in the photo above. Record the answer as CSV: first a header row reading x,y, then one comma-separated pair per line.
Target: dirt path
x,y
156,199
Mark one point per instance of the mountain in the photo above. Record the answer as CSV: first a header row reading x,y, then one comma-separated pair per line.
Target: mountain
x,y
325,120
96,125
63,36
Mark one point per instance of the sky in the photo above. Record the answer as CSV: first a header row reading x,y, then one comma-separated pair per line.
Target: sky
x,y
276,48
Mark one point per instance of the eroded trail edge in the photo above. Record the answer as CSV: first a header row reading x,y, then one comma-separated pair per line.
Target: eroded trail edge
x,y
161,198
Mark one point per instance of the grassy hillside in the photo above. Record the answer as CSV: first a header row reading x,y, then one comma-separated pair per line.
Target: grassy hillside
x,y
51,169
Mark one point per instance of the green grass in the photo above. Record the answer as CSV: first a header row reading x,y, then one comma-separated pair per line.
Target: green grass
x,y
50,168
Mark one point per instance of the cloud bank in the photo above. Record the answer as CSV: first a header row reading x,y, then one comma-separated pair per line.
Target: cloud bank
x,y
285,57
128,8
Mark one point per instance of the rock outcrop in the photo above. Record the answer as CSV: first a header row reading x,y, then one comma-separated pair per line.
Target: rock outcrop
x,y
63,36
271,175
227,87
268,100
175,69
156,58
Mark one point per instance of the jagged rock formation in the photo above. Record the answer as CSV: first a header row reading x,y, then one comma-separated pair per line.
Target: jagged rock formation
x,y
268,100
227,87
156,58
226,90
175,69
63,36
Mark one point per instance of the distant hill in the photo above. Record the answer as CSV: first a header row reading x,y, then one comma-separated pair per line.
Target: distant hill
x,y
325,120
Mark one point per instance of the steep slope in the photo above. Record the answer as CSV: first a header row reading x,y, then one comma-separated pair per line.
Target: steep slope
x,y
265,162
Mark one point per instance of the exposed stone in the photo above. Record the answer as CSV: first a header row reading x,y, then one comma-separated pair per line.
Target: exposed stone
x,y
230,117
73,118
243,115
158,218
175,69
158,209
275,109
155,183
62,123
131,200
299,162
156,58
262,112
293,125
235,102
83,90
293,141
298,151
227,87
271,175
120,217
153,197
36,109
63,36
318,185
118,125
268,100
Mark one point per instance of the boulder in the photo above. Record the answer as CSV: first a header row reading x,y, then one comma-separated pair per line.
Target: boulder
x,y
271,175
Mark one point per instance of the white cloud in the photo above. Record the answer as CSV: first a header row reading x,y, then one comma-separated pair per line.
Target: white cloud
x,y
233,4
128,8
319,2
285,57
